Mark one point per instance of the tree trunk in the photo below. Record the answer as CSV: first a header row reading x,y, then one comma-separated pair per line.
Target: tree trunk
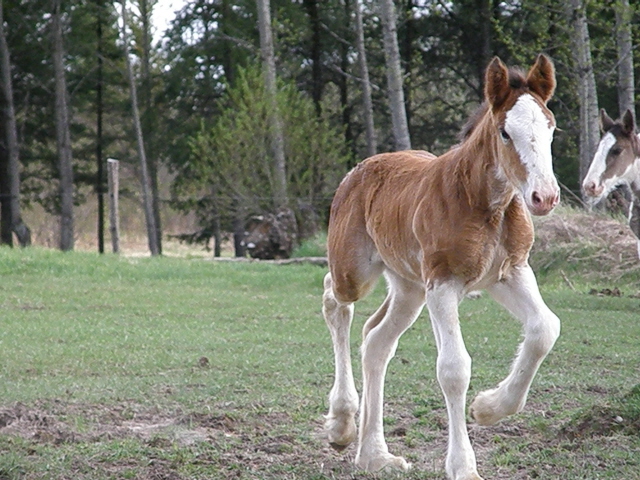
x,y
217,237
316,50
276,130
485,18
238,237
63,136
99,109
626,91
587,95
144,171
407,56
10,194
6,236
366,84
145,14
394,77
343,85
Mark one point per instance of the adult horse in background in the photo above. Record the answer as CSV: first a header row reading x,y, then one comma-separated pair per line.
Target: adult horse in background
x,y
616,162
437,228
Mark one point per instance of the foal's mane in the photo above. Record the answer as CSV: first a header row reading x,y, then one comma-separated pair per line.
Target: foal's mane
x,y
517,80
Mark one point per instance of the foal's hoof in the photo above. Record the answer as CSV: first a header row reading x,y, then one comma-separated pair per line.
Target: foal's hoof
x,y
337,446
483,410
473,476
382,462
465,475
341,432
487,409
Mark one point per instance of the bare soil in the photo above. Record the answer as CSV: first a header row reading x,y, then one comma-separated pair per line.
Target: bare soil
x,y
248,447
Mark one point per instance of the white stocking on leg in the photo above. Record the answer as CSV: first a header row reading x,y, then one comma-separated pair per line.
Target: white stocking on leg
x,y
520,295
454,373
340,422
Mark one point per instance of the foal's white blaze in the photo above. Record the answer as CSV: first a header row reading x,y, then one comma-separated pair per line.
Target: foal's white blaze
x,y
532,133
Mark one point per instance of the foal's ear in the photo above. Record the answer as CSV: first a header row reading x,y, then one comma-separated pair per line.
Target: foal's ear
x,y
541,79
496,83
606,122
628,123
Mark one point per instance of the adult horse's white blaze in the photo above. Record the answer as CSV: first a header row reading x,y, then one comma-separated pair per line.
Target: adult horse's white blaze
x,y
593,182
616,162
438,228
531,131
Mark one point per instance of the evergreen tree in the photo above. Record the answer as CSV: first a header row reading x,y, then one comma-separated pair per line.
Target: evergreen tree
x,y
229,172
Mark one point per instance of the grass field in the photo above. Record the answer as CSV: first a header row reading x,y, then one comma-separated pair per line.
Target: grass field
x,y
173,368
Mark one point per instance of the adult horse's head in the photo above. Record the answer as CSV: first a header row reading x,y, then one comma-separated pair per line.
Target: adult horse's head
x,y
615,161
525,125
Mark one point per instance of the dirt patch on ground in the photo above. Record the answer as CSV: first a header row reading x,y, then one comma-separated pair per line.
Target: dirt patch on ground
x,y
76,423
57,422
244,444
34,424
616,416
260,445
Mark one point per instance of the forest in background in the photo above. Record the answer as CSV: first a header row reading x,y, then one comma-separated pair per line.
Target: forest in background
x,y
83,81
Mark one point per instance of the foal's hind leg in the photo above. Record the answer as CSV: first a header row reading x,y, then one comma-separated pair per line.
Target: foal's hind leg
x,y
340,422
382,331
520,295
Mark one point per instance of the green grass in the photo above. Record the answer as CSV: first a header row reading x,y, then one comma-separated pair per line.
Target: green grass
x,y
82,323
188,368
312,247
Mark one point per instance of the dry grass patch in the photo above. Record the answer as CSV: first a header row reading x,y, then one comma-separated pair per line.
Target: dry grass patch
x,y
594,245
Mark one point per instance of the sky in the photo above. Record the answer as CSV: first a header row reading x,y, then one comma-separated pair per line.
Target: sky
x,y
163,13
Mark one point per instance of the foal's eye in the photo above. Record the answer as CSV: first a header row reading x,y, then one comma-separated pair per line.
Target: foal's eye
x,y
504,135
615,151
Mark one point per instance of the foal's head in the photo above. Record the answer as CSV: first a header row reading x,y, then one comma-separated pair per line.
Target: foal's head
x,y
617,153
523,129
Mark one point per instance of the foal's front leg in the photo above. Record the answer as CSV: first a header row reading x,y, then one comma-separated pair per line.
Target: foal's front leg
x,y
454,373
520,295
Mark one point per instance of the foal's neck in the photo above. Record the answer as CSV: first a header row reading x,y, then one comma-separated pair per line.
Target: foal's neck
x,y
481,170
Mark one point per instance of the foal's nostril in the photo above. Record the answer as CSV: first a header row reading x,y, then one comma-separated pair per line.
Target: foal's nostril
x,y
536,199
543,203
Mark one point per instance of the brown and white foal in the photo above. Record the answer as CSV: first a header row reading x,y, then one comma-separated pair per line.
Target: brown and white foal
x,y
616,162
437,228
